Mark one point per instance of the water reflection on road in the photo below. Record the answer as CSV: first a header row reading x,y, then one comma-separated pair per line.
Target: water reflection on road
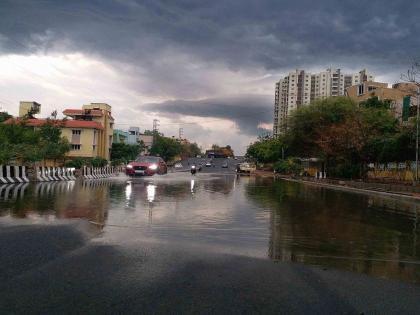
x,y
258,217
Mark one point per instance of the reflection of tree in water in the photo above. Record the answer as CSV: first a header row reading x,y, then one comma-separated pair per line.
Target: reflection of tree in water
x,y
87,200
318,226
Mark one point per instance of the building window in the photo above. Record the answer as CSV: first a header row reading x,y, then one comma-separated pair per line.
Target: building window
x,y
75,147
76,132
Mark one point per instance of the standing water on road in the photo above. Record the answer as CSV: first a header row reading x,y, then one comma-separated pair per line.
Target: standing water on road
x,y
257,217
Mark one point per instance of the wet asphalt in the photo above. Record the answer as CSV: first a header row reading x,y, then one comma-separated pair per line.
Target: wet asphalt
x,y
74,266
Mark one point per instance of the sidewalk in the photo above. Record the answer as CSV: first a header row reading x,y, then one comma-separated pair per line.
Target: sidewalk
x,y
398,190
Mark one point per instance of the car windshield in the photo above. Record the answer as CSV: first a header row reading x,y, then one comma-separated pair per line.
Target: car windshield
x,y
147,159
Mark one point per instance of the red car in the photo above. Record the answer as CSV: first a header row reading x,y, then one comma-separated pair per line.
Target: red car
x,y
146,165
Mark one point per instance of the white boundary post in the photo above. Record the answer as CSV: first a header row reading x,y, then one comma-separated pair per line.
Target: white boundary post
x,y
25,179
9,178
2,179
17,168
48,173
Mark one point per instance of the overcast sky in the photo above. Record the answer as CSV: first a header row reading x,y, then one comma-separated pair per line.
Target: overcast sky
x,y
206,66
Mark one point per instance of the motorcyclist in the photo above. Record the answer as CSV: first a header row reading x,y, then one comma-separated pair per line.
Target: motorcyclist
x,y
193,169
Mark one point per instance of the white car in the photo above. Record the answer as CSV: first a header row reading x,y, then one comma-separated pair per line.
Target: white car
x,y
208,164
178,165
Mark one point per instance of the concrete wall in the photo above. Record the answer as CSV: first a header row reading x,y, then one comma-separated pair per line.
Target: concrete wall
x,y
86,142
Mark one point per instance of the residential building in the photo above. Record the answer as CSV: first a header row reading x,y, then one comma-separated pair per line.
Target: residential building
x,y
89,130
93,142
147,141
120,136
133,135
29,108
300,88
396,94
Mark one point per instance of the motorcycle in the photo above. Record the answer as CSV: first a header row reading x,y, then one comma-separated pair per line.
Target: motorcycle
x,y
193,169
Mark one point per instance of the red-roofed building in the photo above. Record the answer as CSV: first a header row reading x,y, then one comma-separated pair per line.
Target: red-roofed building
x,y
99,113
89,130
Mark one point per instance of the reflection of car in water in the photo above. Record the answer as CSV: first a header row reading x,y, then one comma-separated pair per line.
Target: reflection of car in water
x,y
245,168
146,165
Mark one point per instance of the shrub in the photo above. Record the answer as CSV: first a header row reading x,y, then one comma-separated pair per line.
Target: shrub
x,y
289,166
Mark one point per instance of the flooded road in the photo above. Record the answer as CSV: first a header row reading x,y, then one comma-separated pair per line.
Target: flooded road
x,y
220,213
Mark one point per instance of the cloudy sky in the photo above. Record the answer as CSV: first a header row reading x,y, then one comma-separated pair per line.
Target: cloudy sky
x,y
206,66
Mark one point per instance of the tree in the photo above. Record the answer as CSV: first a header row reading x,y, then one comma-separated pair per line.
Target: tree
x,y
339,132
20,142
166,148
190,150
4,116
266,150
123,153
54,146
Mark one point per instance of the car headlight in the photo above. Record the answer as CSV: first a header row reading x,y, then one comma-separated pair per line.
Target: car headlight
x,y
153,167
129,166
193,167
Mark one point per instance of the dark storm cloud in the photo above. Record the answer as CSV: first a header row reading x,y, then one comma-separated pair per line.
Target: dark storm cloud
x,y
242,33
189,49
247,111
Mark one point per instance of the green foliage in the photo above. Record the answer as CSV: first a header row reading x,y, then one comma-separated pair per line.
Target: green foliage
x,y
18,141
289,166
80,162
125,152
267,150
338,131
190,150
166,148
77,163
98,162
4,116
374,102
345,136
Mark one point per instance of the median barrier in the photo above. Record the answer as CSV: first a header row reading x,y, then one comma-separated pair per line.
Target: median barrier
x,y
48,174
13,174
99,172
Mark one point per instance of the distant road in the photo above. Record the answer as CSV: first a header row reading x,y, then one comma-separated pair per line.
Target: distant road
x,y
215,168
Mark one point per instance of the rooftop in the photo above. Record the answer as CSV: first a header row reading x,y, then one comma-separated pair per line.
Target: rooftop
x,y
83,112
70,123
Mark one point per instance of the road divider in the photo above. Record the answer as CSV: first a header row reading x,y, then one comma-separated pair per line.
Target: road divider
x,y
100,172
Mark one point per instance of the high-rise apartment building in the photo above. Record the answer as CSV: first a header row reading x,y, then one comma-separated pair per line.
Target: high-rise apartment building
x,y
300,88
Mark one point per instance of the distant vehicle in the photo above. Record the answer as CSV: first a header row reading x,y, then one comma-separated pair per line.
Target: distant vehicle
x,y
245,168
225,165
146,166
193,169
178,165
208,164
235,158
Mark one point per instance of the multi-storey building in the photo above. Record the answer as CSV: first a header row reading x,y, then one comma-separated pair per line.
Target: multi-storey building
x,y
395,96
300,88
133,135
91,143
89,130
